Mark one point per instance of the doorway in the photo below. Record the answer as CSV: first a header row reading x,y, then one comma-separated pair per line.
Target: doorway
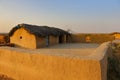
x,y
61,39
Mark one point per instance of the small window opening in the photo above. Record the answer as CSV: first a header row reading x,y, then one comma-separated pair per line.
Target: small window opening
x,y
20,37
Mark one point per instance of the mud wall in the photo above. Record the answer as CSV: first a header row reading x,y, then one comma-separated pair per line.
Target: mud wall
x,y
94,38
21,64
24,39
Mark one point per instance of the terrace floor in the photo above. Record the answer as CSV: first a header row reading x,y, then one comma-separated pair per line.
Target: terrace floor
x,y
79,50
70,49
74,46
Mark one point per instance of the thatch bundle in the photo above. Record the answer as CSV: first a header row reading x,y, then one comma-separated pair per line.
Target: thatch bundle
x,y
40,31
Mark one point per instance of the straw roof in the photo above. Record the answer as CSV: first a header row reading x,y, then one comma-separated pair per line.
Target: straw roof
x,y
115,33
40,31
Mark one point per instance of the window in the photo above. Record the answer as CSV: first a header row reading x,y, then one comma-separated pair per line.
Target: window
x,y
20,37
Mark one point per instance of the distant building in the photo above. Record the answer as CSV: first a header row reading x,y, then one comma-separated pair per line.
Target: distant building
x,y
3,38
88,39
116,35
32,36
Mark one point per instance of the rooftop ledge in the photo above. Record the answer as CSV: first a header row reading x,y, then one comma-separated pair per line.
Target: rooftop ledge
x,y
86,53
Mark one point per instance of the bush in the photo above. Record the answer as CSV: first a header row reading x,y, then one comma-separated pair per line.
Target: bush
x,y
114,64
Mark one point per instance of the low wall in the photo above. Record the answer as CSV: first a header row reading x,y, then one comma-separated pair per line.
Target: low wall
x,y
50,64
94,38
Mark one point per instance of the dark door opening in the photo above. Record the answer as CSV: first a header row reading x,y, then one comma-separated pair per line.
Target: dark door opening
x,y
60,39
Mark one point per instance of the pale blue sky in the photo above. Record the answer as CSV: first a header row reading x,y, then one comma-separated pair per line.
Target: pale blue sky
x,y
81,16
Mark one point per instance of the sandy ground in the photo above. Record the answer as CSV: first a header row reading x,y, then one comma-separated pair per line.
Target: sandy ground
x,y
116,41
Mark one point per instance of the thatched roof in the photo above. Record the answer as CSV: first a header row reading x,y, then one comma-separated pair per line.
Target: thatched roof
x,y
40,31
115,33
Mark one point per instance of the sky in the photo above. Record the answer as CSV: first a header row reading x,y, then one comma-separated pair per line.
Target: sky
x,y
78,16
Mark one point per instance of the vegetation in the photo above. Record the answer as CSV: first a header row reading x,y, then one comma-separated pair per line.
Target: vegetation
x,y
114,63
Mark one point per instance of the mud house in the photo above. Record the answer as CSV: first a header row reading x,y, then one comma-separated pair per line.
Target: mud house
x,y
32,36
3,38
116,35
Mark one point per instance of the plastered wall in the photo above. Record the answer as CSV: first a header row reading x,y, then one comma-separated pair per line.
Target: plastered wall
x,y
40,42
22,64
53,40
23,38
